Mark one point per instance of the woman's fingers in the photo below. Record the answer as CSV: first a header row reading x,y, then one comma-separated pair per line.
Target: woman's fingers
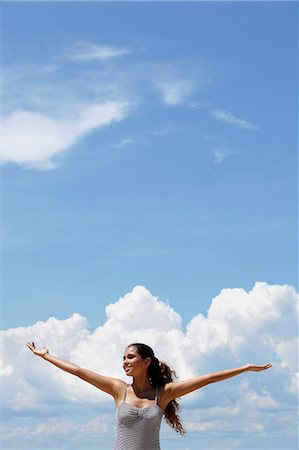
x,y
259,368
267,366
32,346
36,351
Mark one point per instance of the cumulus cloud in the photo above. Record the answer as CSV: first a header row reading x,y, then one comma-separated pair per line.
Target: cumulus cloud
x,y
34,139
239,327
256,326
56,431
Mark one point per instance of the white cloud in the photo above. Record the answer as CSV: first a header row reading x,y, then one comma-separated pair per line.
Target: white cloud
x,y
229,118
221,153
127,142
42,109
97,425
34,140
175,92
87,51
60,429
123,143
257,326
6,371
159,315
223,116
240,327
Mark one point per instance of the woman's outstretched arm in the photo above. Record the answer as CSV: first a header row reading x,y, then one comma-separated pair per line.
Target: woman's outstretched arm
x,y
110,385
177,389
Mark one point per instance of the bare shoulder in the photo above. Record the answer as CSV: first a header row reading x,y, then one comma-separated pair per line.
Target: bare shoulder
x,y
176,389
119,390
165,395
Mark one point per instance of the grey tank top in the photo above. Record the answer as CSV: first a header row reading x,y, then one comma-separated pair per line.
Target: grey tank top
x,y
138,428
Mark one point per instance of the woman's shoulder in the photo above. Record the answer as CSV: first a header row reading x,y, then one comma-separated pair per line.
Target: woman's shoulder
x,y
120,384
120,387
164,395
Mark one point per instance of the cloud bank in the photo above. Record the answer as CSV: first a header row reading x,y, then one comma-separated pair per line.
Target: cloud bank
x,y
257,326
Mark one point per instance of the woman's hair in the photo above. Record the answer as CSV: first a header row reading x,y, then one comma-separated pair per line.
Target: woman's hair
x,y
159,375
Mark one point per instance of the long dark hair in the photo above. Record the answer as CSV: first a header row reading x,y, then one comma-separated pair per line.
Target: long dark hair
x,y
160,374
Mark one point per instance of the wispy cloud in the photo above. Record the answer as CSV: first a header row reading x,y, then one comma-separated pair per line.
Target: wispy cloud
x,y
229,118
175,92
123,143
221,153
224,116
33,139
177,82
126,142
44,115
88,51
46,112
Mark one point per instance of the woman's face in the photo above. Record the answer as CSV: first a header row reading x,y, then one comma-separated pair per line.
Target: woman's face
x,y
133,363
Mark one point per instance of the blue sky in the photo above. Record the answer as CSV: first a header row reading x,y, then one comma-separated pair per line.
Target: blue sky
x,y
160,210
148,144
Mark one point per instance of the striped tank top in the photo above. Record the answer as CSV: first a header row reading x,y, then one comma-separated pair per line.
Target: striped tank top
x,y
138,428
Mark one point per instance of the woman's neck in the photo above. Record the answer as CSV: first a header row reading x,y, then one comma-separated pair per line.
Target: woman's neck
x,y
141,385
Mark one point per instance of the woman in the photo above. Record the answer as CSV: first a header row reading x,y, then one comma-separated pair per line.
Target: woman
x,y
152,395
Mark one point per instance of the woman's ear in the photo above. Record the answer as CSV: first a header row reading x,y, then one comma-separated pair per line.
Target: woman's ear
x,y
148,361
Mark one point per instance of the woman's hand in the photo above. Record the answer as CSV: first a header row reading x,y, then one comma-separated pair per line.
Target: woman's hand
x,y
254,368
41,353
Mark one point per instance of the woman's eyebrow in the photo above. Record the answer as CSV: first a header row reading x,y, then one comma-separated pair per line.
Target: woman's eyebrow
x,y
129,354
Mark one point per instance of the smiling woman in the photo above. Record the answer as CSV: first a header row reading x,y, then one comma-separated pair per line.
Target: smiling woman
x,y
152,394
154,373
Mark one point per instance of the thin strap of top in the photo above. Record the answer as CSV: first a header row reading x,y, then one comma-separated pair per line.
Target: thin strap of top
x,y
125,393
